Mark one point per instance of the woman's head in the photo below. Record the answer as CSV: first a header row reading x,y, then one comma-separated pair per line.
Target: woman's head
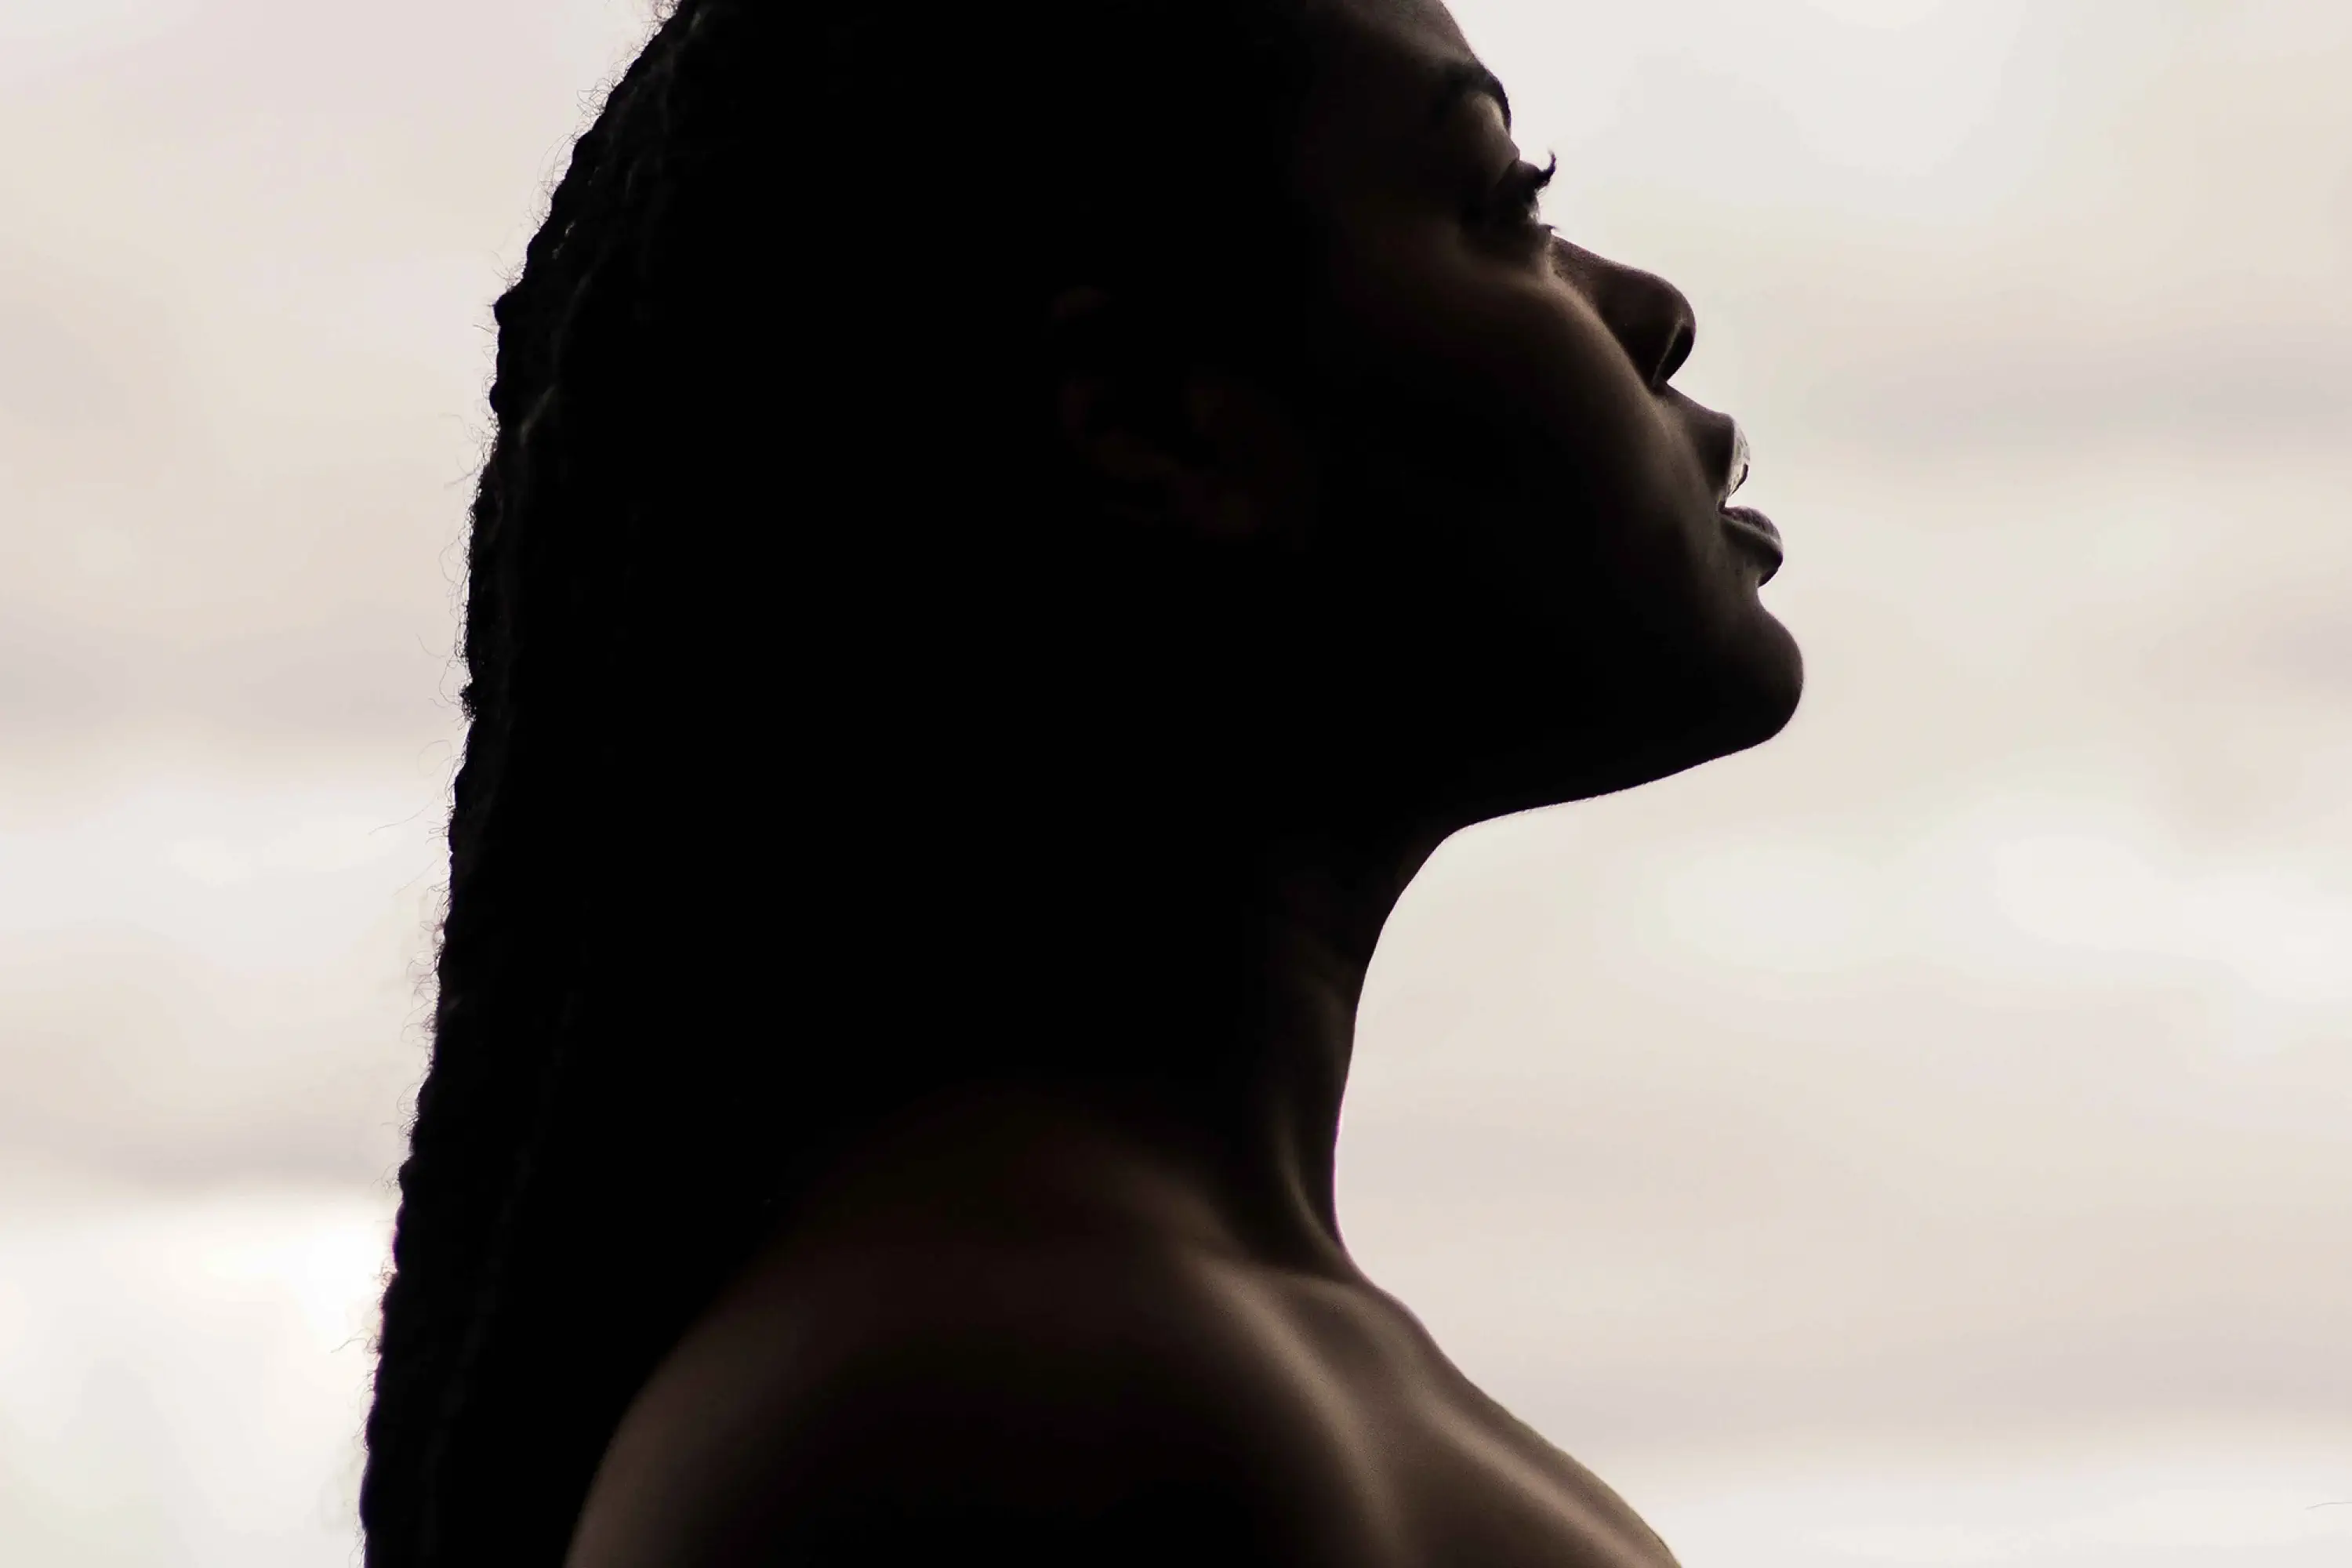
x,y
1528,519
1370,498
968,479
1515,575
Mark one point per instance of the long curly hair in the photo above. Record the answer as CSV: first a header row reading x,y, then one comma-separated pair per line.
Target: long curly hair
x,y
791,654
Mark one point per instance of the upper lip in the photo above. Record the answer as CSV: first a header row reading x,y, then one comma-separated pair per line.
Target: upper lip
x,y
1719,441
1735,472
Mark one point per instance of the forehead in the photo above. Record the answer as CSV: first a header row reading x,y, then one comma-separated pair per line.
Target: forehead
x,y
1424,26
1382,68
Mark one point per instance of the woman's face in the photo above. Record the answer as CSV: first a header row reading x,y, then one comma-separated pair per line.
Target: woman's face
x,y
1538,590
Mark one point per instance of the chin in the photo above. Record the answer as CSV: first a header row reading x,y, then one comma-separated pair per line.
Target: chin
x,y
1765,687
1476,755
1745,703
1724,707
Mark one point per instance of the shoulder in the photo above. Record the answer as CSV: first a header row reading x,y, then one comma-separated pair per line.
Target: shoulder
x,y
1098,1405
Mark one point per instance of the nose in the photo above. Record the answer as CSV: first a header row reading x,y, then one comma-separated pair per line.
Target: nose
x,y
1646,314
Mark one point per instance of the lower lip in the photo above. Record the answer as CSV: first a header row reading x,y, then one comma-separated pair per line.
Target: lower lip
x,y
1753,528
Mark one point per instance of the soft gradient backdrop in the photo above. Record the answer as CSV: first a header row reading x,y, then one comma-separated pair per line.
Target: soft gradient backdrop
x,y
1926,1141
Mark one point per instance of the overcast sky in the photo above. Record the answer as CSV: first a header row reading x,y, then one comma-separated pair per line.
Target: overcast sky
x,y
1927,1140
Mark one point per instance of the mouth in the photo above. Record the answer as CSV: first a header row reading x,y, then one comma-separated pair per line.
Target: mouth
x,y
1745,523
1757,531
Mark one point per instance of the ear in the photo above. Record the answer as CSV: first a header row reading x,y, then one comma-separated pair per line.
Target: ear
x,y
1166,439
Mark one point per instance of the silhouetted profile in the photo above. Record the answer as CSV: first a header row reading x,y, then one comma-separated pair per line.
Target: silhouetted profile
x,y
1012,531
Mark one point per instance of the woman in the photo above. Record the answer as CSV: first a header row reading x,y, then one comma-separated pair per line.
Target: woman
x,y
1012,533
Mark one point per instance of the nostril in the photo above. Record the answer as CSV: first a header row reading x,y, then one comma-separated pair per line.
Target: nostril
x,y
1679,343
1650,317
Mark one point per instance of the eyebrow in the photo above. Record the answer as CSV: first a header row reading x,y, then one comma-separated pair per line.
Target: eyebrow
x,y
1465,78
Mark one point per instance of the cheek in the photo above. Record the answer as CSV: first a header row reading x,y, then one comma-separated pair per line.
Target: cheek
x,y
1421,315
1490,400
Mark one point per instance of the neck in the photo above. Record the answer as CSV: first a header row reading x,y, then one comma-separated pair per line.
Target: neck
x,y
1322,910
1227,1138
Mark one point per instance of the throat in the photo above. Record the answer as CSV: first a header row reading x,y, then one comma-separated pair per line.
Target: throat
x,y
1211,1121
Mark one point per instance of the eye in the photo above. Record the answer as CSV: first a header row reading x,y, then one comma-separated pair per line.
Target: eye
x,y
1510,210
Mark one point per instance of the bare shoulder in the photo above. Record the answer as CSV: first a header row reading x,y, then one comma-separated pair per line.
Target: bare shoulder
x,y
1079,1404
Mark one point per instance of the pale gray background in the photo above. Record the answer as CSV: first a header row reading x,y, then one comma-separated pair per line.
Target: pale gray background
x,y
1927,1140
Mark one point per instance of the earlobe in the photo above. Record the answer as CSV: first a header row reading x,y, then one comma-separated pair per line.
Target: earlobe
x,y
1164,441
1252,482
1100,406
1106,445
